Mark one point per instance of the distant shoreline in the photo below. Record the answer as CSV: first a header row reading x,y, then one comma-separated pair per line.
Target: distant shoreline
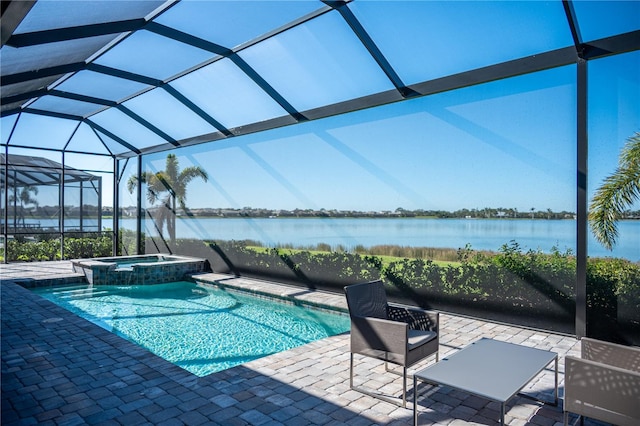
x,y
368,217
483,213
361,217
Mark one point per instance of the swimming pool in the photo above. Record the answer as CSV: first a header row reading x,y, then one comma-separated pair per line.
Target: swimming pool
x,y
200,328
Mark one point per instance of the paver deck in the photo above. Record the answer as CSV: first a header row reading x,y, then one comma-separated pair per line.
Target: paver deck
x,y
59,369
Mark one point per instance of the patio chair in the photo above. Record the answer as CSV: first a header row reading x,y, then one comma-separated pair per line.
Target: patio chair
x,y
391,333
604,384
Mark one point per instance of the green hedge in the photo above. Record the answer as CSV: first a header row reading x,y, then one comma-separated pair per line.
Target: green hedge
x,y
44,247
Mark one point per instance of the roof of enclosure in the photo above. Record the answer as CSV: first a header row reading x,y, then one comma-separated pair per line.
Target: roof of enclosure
x,y
27,171
129,77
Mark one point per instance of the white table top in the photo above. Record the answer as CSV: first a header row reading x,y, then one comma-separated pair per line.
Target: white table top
x,y
489,368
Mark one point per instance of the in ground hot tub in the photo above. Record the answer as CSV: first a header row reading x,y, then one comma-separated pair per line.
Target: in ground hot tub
x,y
138,270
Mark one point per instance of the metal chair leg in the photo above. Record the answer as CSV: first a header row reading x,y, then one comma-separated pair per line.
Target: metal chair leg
x,y
351,372
404,387
392,400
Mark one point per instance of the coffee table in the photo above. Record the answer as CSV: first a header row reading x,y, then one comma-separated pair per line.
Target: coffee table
x,y
490,369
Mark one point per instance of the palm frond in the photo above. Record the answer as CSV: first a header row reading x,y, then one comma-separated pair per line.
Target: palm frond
x,y
152,196
186,176
617,193
132,183
189,173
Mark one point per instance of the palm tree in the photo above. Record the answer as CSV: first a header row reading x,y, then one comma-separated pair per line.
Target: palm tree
x,y
25,199
172,181
617,192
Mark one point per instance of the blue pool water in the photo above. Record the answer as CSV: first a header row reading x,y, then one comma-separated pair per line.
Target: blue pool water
x,y
128,262
200,328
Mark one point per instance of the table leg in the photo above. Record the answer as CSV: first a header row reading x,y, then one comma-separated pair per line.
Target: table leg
x,y
502,413
545,401
415,401
556,400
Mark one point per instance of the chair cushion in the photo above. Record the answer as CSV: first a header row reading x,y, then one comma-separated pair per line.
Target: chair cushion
x,y
418,338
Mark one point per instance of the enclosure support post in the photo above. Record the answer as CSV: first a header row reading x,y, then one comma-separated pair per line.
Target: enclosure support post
x,y
5,228
99,205
81,212
15,202
582,210
139,208
61,219
116,205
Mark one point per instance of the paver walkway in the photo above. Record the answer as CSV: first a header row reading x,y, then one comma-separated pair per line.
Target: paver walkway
x,y
58,369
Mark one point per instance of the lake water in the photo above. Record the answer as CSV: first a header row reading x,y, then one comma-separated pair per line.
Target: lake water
x,y
482,234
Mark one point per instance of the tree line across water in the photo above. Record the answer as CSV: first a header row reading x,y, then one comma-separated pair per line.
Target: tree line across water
x,y
485,213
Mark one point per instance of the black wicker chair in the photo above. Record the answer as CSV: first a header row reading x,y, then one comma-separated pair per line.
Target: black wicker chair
x,y
392,333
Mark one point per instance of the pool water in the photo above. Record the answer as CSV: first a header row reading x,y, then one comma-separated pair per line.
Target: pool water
x,y
200,328
129,262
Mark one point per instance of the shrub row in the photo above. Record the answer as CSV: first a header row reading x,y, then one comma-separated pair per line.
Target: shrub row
x,y
49,249
42,247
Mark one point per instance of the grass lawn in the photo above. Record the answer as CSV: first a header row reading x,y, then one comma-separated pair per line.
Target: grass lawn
x,y
386,260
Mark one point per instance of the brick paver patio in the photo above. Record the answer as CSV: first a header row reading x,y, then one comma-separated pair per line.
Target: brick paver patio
x,y
58,369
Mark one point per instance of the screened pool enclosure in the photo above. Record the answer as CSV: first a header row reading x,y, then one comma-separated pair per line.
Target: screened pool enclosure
x,y
35,186
450,148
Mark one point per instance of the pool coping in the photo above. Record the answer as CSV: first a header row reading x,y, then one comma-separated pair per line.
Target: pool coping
x,y
296,295
312,298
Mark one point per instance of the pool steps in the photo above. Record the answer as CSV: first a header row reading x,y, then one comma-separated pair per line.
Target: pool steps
x,y
287,293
